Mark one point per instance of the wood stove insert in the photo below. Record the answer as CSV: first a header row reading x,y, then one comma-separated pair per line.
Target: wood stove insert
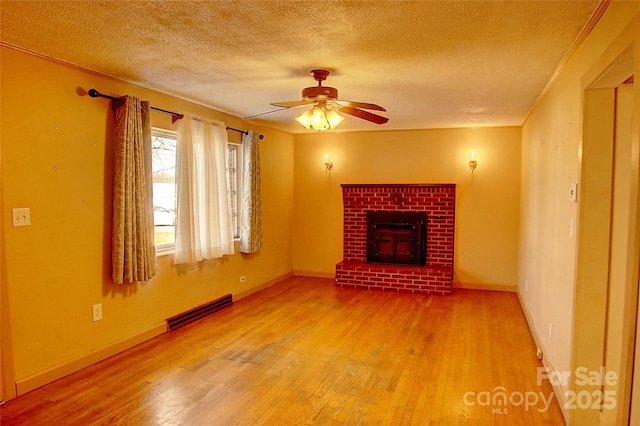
x,y
397,237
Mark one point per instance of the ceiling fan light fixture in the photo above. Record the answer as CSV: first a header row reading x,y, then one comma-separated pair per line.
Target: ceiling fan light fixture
x,y
305,120
334,119
317,116
320,119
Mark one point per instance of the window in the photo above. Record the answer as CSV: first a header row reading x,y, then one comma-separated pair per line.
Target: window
x,y
163,152
234,163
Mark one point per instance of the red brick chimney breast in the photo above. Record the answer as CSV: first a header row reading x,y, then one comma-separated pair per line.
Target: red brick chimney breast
x,y
438,200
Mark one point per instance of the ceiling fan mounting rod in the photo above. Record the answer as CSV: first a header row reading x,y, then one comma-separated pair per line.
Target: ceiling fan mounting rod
x,y
320,75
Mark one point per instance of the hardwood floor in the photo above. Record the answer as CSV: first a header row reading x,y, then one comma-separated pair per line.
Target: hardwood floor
x,y
305,352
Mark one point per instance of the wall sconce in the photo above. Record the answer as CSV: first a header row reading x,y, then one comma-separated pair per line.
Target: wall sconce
x,y
473,163
328,163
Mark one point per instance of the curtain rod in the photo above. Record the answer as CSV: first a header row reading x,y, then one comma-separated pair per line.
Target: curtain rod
x,y
174,115
244,132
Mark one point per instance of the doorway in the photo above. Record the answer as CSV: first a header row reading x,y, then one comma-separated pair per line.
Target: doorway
x,y
607,283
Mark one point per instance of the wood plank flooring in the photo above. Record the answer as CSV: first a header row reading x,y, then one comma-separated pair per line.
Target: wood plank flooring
x,y
306,352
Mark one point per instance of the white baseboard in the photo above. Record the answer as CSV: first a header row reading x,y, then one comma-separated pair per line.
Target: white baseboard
x,y
47,376
557,389
488,287
244,293
313,274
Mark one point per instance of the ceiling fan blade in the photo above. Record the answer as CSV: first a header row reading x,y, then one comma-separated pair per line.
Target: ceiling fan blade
x,y
361,105
290,104
365,115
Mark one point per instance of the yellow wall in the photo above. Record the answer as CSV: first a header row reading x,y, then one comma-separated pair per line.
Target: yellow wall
x,y
512,214
560,146
56,160
487,205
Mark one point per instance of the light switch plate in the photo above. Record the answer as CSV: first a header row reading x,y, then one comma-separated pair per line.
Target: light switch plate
x,y
21,217
573,192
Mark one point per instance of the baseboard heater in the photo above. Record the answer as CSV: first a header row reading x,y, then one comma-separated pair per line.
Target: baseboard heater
x,y
198,312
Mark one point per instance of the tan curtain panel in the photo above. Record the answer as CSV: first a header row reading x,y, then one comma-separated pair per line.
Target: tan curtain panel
x,y
133,251
251,215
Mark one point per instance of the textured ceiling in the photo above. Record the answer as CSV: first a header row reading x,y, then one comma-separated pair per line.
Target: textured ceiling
x,y
432,64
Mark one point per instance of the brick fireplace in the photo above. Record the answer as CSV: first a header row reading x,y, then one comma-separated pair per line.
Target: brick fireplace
x,y
437,201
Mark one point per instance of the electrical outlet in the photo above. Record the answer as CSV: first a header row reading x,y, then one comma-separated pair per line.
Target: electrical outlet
x,y
97,312
243,279
550,330
21,217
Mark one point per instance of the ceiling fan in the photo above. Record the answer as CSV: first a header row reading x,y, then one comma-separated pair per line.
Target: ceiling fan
x,y
323,115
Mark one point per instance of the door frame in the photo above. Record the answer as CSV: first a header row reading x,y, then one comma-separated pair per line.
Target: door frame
x,y
594,222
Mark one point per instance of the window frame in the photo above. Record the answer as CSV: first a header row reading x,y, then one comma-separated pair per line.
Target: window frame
x,y
238,202
166,249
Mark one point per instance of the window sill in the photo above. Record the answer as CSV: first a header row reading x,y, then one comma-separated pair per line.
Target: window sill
x,y
165,250
168,249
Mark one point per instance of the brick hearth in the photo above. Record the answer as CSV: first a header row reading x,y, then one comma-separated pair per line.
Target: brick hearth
x,y
438,200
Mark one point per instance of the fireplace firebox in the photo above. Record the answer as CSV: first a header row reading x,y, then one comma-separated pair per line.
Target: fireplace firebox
x,y
397,237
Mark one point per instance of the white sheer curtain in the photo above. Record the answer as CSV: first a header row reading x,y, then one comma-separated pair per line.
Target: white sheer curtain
x,y
204,229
